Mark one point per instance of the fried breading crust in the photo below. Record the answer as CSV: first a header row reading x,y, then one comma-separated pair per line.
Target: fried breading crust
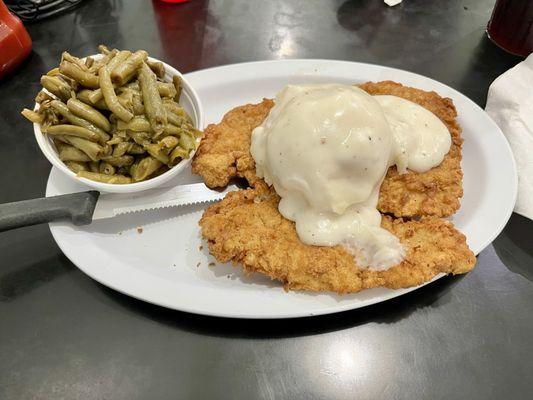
x,y
247,228
224,153
437,191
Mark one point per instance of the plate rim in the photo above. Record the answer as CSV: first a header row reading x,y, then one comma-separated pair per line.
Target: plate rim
x,y
191,310
326,309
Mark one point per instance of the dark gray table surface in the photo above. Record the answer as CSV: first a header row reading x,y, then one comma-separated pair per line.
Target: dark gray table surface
x,y
64,336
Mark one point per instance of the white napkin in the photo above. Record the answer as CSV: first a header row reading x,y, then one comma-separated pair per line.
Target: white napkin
x,y
510,105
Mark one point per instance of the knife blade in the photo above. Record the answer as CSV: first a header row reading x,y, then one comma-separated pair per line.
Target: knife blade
x,y
111,205
84,207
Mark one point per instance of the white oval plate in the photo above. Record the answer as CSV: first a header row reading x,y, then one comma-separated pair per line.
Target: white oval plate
x,y
166,265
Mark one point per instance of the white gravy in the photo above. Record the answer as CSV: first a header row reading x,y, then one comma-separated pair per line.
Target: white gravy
x,y
326,150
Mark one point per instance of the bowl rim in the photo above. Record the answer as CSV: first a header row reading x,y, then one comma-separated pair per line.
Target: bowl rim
x,y
47,148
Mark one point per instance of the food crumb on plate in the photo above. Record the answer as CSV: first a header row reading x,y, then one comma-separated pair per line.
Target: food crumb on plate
x,y
201,248
197,265
211,264
139,230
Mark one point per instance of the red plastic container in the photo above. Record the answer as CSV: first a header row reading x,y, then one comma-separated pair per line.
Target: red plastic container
x,y
15,42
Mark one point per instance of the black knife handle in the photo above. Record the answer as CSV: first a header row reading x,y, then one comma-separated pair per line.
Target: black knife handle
x,y
77,207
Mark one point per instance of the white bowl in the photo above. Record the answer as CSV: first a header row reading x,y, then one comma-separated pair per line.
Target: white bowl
x,y
189,100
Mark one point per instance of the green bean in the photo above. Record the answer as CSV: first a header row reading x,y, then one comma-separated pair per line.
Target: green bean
x,y
197,133
169,142
139,123
175,108
175,119
59,144
119,161
126,100
66,56
126,70
116,139
139,138
176,80
138,106
94,166
123,170
144,168
56,86
134,99
96,95
85,78
110,97
62,109
89,61
142,130
95,176
87,96
71,153
53,72
164,168
174,130
103,61
74,86
187,141
49,115
76,166
127,148
135,149
152,101
83,96
157,152
107,150
166,89
32,116
106,168
178,154
133,86
102,48
122,134
118,59
157,67
73,130
88,113
93,150
63,140
121,148
42,96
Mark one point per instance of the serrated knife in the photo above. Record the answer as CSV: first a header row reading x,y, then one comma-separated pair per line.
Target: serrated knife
x,y
85,207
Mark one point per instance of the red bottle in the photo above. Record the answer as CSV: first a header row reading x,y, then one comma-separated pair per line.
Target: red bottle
x,y
15,43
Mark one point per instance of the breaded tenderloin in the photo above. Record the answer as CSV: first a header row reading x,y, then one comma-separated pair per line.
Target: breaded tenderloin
x,y
224,153
437,191
247,228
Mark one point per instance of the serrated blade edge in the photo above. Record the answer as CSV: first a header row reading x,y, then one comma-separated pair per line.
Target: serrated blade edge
x,y
111,205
